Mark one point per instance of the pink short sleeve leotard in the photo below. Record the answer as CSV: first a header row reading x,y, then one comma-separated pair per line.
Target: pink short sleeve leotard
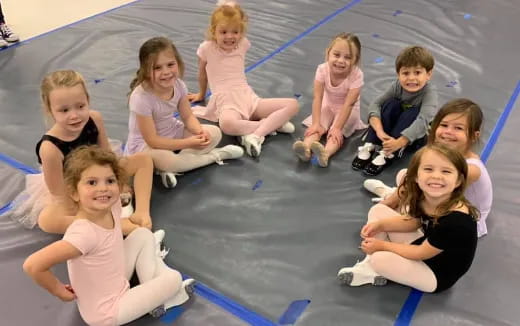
x,y
227,81
98,275
334,99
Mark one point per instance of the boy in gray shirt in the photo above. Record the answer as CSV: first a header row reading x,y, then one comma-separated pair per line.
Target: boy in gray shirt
x,y
402,114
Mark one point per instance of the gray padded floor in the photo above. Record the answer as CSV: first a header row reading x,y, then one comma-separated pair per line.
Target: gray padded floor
x,y
284,239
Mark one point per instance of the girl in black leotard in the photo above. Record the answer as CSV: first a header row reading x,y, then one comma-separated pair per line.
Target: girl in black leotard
x,y
431,259
44,201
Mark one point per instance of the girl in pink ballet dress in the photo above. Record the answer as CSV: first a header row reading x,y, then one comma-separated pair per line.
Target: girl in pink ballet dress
x,y
233,103
335,108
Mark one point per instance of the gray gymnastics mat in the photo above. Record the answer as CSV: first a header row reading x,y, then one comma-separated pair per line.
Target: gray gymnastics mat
x,y
268,232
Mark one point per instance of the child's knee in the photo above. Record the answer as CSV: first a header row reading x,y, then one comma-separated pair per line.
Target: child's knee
x,y
172,281
227,126
294,107
215,132
379,261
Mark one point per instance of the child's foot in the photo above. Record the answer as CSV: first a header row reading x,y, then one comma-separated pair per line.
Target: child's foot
x,y
168,179
360,274
302,151
378,164
287,128
363,156
378,188
184,294
7,34
3,43
160,251
252,144
321,154
226,153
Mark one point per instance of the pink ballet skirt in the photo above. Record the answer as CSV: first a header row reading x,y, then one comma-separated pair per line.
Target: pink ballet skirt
x,y
28,204
242,100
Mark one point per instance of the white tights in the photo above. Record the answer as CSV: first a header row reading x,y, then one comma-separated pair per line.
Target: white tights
x,y
188,159
413,273
158,282
270,114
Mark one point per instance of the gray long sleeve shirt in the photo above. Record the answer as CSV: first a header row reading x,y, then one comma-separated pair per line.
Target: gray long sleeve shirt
x,y
425,99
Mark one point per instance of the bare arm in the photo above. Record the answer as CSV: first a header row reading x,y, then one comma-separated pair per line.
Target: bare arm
x,y
317,101
350,100
38,265
102,137
203,83
376,124
473,173
147,128
52,167
190,121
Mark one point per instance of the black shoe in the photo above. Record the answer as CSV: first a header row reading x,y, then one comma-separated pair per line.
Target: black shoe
x,y
372,170
360,164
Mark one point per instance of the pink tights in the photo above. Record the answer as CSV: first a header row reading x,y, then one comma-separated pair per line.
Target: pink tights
x,y
270,114
413,273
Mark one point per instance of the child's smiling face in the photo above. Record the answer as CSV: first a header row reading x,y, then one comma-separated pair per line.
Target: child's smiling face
x,y
413,79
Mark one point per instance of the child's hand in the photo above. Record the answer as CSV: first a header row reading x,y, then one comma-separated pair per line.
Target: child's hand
x,y
206,134
392,145
198,141
370,229
391,201
65,292
195,97
143,220
383,136
314,129
371,245
335,135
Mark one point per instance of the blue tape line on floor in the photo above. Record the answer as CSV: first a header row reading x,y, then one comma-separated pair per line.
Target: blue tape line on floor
x,y
172,315
405,315
302,35
231,306
5,208
486,152
257,185
407,311
293,312
17,165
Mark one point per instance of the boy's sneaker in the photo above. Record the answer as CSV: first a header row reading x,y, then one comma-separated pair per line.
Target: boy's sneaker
x,y
7,34
226,153
287,128
252,144
360,274
3,43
